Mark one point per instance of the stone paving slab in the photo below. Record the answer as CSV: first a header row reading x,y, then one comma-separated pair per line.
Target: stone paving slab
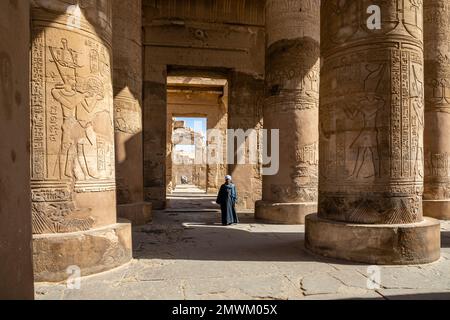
x,y
190,256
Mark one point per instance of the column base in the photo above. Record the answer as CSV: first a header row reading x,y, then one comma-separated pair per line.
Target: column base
x,y
400,244
284,213
138,213
92,251
438,209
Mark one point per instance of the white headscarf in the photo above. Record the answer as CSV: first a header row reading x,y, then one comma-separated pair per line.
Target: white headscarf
x,y
228,177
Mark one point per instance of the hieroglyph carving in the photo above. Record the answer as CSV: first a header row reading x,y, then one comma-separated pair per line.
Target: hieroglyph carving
x,y
127,115
437,104
292,96
372,113
72,147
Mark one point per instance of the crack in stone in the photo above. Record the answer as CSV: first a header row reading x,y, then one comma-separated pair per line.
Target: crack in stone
x,y
183,289
381,295
294,285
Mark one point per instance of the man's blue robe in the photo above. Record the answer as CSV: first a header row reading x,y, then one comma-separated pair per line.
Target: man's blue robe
x,y
227,198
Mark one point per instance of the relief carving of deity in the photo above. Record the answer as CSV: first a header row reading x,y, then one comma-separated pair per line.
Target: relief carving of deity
x,y
366,143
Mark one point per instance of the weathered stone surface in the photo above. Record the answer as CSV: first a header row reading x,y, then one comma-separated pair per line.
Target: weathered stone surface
x,y
291,106
173,36
437,117
139,213
73,186
72,129
371,113
178,257
93,251
321,283
413,243
16,269
245,112
155,142
371,138
127,53
291,213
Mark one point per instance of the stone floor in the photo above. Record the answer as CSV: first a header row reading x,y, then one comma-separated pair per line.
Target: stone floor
x,y
186,254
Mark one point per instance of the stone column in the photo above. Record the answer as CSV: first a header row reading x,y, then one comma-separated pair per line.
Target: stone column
x,y
371,137
16,268
72,141
291,106
170,177
155,126
437,109
127,53
245,113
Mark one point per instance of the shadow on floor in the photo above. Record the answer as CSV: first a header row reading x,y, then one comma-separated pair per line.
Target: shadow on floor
x,y
190,201
445,239
413,296
200,236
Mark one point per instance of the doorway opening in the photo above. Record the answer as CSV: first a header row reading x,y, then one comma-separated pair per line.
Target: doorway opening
x,y
188,154
197,122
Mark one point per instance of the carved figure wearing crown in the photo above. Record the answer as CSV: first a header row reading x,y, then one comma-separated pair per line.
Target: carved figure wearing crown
x,y
78,98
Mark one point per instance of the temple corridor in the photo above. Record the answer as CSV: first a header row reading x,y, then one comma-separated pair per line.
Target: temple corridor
x,y
328,121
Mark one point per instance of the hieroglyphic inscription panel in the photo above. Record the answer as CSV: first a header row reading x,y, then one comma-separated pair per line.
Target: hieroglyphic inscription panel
x,y
292,98
72,137
372,113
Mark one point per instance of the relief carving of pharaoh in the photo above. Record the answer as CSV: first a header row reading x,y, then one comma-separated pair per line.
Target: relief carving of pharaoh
x,y
78,98
72,119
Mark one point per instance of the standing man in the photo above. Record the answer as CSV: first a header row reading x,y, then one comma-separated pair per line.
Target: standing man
x,y
227,198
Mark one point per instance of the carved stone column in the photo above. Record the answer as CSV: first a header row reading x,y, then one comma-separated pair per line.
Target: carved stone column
x,y
291,106
437,109
72,141
245,113
16,268
155,126
371,137
127,53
